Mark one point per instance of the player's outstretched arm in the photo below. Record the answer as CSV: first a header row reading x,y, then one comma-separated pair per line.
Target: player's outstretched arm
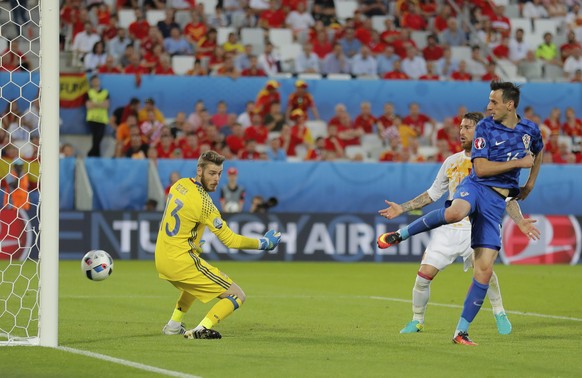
x,y
486,168
526,225
393,210
236,241
533,175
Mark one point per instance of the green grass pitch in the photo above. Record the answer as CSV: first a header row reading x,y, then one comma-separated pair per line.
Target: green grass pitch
x,y
312,320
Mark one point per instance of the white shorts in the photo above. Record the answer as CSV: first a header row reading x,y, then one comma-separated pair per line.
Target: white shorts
x,y
446,244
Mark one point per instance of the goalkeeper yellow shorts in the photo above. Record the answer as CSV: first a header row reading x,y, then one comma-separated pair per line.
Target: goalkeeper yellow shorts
x,y
202,280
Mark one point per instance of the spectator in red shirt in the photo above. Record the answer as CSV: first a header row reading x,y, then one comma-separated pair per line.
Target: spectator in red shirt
x,y
250,151
236,140
364,32
491,74
553,121
564,154
196,29
135,66
267,96
139,29
365,120
301,99
274,17
257,131
386,119
110,66
402,43
417,120
390,33
166,146
321,44
207,44
164,66
413,19
461,74
500,22
433,51
430,73
189,146
396,73
501,51
572,125
332,143
440,20
571,44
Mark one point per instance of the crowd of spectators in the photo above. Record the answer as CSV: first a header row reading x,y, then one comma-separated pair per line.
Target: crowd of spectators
x,y
269,129
330,44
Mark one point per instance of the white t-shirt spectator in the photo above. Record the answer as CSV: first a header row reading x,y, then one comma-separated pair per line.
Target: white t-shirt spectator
x,y
415,67
518,50
304,63
84,42
571,65
299,21
364,65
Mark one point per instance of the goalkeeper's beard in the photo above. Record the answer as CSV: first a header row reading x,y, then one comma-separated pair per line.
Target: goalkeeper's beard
x,y
207,186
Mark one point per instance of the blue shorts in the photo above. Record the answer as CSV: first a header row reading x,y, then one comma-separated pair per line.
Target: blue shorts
x,y
486,215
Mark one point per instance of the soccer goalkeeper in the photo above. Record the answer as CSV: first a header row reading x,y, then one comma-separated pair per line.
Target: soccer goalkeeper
x,y
189,210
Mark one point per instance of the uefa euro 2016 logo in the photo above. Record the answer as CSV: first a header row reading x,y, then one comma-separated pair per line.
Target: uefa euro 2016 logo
x,y
479,143
559,242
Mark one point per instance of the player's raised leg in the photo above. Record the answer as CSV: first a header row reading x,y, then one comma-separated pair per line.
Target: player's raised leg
x,y
175,326
420,297
458,210
494,294
228,302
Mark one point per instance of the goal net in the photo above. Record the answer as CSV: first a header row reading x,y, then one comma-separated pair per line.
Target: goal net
x,y
23,132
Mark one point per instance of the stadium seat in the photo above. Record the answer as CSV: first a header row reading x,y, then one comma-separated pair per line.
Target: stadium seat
x,y
339,77
209,6
345,9
182,63
223,34
512,11
254,36
427,151
378,23
289,51
419,37
531,70
506,69
543,25
533,40
461,52
155,15
183,18
523,23
317,128
553,72
309,76
301,151
353,151
126,17
371,142
281,37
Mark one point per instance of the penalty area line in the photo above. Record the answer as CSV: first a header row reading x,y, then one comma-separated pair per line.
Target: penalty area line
x,y
136,365
484,308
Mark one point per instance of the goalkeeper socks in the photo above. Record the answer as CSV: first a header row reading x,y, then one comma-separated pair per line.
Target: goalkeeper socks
x,y
420,296
176,320
427,222
494,295
184,303
220,311
473,303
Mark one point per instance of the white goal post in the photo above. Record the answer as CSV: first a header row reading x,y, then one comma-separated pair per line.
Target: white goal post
x,y
29,165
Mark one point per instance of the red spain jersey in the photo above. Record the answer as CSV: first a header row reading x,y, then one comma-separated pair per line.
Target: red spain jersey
x,y
365,122
264,101
303,102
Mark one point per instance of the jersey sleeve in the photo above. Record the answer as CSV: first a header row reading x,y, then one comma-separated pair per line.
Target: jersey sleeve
x,y
218,226
440,184
481,141
537,142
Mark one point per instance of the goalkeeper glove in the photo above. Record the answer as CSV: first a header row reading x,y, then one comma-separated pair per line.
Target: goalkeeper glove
x,y
270,240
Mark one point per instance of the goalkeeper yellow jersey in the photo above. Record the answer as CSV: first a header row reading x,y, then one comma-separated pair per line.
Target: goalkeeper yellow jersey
x,y
189,210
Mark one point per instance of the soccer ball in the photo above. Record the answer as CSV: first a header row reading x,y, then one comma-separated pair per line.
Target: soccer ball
x,y
97,265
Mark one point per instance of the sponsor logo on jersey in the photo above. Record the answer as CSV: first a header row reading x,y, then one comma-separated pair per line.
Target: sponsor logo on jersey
x,y
526,141
217,222
479,143
498,143
464,194
559,242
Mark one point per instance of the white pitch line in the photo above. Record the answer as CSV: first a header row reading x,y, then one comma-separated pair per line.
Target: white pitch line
x,y
488,309
136,365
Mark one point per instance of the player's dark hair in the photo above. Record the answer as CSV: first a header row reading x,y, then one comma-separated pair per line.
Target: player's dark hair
x,y
210,157
510,91
474,116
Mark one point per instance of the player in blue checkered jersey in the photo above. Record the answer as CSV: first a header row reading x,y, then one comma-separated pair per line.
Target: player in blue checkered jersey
x,y
504,144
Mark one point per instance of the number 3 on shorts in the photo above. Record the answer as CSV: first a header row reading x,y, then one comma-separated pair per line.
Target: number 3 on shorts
x,y
174,214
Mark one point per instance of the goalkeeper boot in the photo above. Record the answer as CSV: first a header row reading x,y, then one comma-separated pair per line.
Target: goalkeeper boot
x,y
388,239
503,324
413,326
202,332
167,330
463,338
